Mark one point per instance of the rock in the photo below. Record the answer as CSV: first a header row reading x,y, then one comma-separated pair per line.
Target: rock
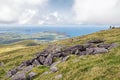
x,y
58,76
96,41
42,54
27,63
46,73
113,45
12,72
89,45
19,76
28,69
99,50
80,47
20,67
48,60
82,53
41,59
65,58
36,63
76,52
57,55
89,51
64,54
106,46
53,69
54,64
9,74
31,75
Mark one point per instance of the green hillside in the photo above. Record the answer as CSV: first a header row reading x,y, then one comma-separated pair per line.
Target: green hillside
x,y
41,37
89,67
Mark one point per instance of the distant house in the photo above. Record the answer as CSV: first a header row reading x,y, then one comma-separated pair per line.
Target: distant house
x,y
114,27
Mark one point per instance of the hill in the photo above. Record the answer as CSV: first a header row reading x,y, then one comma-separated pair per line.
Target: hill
x,y
88,67
41,37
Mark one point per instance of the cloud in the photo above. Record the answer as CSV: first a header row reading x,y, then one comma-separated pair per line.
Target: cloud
x,y
96,11
52,18
20,11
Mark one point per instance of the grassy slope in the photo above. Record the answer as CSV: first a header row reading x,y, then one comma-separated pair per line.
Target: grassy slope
x,y
90,67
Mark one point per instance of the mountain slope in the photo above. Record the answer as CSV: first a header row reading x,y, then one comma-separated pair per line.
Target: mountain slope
x,y
90,67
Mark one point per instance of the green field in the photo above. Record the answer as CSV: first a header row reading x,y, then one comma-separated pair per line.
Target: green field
x,y
90,67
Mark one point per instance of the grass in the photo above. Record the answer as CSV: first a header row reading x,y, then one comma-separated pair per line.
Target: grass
x,y
90,67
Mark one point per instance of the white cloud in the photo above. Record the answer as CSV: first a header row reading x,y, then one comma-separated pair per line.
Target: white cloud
x,y
97,11
52,18
20,11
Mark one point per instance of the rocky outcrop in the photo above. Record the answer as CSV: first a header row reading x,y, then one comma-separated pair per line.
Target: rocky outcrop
x,y
47,56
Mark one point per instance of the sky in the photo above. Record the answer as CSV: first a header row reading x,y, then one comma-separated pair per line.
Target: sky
x,y
59,12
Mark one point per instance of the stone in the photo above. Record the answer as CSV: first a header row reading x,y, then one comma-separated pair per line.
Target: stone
x,y
96,41
113,45
12,72
106,46
76,52
19,76
41,59
65,58
99,50
20,67
53,69
58,76
54,64
36,63
89,45
42,54
89,51
31,75
28,69
57,55
9,74
27,63
82,53
63,54
48,60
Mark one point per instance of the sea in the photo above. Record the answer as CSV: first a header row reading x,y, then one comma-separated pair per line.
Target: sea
x,y
70,30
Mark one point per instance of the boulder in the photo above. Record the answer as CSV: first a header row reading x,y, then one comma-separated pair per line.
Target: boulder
x,y
46,73
113,45
82,53
36,63
12,72
45,53
89,51
20,67
96,41
64,54
19,76
53,69
27,63
80,47
31,75
54,64
99,50
28,69
106,46
48,60
41,59
65,58
77,52
89,45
